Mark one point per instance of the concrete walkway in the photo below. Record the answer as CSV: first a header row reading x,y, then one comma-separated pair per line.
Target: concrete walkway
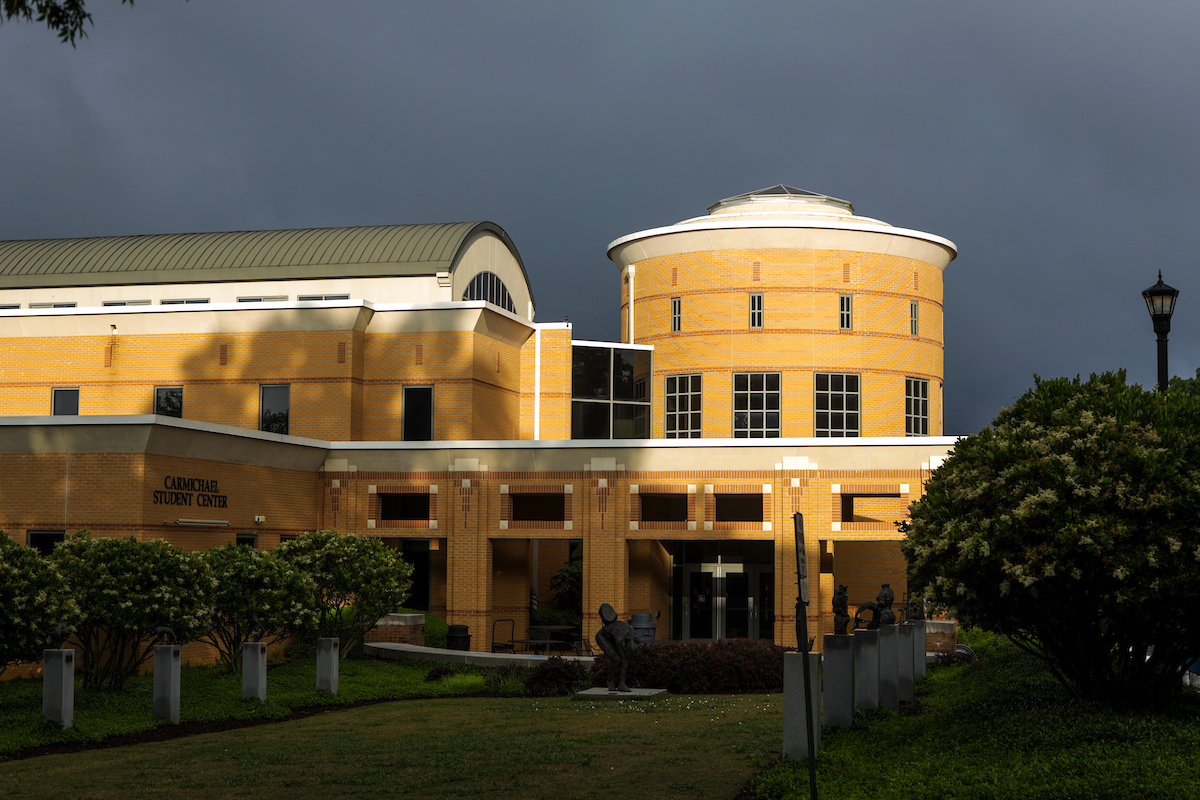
x,y
402,652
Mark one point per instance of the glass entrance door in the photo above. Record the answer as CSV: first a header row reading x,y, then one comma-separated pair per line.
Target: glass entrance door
x,y
728,601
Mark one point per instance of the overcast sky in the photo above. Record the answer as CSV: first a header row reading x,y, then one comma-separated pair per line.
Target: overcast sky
x,y
1056,143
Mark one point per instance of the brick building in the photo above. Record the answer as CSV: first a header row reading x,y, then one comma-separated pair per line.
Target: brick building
x,y
391,381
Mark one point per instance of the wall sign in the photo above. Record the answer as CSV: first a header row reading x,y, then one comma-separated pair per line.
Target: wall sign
x,y
197,492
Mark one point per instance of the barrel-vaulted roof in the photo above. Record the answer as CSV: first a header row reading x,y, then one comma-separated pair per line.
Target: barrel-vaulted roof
x,y
370,251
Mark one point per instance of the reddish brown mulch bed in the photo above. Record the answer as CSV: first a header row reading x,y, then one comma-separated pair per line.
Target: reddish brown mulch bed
x,y
166,732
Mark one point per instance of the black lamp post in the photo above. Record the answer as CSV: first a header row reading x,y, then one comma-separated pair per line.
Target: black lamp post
x,y
1160,299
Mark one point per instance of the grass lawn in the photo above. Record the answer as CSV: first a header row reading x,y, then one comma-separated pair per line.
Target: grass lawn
x,y
705,747
1002,728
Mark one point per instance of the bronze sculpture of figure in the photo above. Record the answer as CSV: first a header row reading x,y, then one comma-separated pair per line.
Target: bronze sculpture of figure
x,y
884,600
618,642
841,613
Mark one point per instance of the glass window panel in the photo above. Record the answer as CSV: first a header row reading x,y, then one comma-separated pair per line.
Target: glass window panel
x,y
168,401
590,420
590,372
417,413
275,408
629,421
65,402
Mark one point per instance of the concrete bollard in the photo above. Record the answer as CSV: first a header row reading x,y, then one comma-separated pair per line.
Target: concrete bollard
x,y
838,694
58,687
866,669
904,666
918,650
889,662
327,665
254,671
166,682
795,734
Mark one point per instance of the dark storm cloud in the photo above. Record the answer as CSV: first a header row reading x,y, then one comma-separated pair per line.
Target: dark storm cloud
x,y
1054,143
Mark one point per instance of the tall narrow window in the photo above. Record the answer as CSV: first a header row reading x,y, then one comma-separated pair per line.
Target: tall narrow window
x,y
916,407
836,402
912,318
845,312
682,407
756,405
168,401
676,315
275,406
417,422
756,310
65,402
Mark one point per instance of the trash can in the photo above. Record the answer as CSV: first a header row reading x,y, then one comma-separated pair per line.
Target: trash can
x,y
458,638
643,625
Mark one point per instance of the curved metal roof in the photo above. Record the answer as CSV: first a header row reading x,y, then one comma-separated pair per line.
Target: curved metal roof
x,y
369,251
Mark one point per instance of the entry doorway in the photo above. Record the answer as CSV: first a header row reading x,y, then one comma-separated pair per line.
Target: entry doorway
x,y
727,593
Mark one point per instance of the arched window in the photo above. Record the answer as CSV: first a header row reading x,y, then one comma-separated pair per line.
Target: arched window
x,y
488,286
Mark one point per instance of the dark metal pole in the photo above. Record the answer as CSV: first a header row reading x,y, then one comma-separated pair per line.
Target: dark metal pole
x,y
802,639
1163,379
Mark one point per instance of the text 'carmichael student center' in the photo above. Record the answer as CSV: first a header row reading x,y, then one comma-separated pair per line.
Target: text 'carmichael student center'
x,y
778,354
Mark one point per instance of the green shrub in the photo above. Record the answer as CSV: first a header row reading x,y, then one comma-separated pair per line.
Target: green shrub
x,y
33,596
125,589
255,583
556,676
435,627
506,681
726,665
439,672
358,581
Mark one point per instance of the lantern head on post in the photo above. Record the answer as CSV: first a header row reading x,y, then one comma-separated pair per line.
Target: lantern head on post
x,y
1160,300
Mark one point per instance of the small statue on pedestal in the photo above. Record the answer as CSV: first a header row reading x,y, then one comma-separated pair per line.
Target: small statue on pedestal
x,y
884,600
841,612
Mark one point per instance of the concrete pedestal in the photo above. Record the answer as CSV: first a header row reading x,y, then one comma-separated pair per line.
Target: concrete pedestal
x,y
327,665
58,687
904,683
918,650
866,669
889,664
838,694
166,682
795,733
254,671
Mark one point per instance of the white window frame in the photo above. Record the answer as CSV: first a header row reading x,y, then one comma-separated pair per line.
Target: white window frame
x,y
673,410
759,403
916,407
756,311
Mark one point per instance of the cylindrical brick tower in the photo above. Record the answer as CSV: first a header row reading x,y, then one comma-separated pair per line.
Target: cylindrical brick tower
x,y
783,314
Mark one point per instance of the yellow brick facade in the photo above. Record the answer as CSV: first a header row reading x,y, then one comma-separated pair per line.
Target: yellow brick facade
x,y
502,426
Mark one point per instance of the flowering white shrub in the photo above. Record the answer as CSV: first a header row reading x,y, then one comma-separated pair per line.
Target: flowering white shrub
x,y
251,584
125,588
1072,524
358,579
33,596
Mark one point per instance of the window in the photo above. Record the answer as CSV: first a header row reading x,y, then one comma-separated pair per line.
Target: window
x,y
682,404
756,310
307,298
916,407
44,541
912,317
837,405
8,306
271,299
676,315
65,403
664,507
247,540
126,302
608,392
404,506
756,405
488,286
187,301
275,403
845,312
416,424
739,507
537,507
168,401
51,305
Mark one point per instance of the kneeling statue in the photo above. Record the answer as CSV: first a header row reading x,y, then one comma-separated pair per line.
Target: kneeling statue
x,y
618,641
